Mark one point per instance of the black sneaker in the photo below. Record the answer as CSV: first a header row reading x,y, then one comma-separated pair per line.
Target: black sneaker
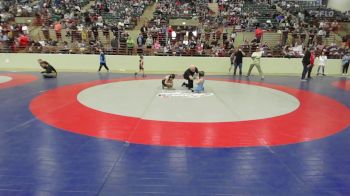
x,y
183,84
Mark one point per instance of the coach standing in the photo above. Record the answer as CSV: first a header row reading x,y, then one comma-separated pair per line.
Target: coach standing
x,y
238,60
306,64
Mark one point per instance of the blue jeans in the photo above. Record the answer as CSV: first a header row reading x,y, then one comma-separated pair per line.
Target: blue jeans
x,y
199,88
306,71
239,65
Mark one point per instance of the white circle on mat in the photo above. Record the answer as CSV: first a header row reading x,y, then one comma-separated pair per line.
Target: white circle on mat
x,y
228,101
4,79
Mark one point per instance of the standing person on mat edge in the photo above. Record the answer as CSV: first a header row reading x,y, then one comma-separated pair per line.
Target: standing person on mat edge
x,y
232,60
103,61
312,63
306,64
188,75
345,63
322,59
256,56
50,72
141,68
237,61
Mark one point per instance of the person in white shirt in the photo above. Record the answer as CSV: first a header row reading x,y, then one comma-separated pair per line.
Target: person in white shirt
x,y
256,56
322,59
25,29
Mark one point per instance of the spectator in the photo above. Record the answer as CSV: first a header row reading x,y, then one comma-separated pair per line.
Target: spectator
x,y
258,34
58,28
130,44
23,41
149,42
140,40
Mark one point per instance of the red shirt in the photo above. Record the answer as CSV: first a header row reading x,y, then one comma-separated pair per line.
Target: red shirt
x,y
258,32
23,41
170,30
312,58
58,27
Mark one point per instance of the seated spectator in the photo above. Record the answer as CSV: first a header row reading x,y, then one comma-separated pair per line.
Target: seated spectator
x,y
156,45
23,41
130,45
298,50
149,42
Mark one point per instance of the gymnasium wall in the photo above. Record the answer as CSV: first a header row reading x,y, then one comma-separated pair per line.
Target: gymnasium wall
x,y
153,64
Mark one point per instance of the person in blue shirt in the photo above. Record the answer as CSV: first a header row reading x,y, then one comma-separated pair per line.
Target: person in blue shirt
x,y
200,83
103,61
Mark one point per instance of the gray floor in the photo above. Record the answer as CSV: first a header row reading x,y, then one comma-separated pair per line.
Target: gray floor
x,y
222,101
4,79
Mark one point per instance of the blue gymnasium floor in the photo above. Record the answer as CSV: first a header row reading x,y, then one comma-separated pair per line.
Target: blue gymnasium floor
x,y
39,159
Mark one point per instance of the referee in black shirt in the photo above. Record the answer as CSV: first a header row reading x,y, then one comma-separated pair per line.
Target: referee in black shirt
x,y
188,75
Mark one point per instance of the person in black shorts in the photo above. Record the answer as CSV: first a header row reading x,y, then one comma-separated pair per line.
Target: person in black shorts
x,y
188,75
168,81
50,72
345,63
141,67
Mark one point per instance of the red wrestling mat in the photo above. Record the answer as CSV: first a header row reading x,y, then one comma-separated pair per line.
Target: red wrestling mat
x,y
317,117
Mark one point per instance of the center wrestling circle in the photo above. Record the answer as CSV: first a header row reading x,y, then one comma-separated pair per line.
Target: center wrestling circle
x,y
222,102
4,79
9,80
114,109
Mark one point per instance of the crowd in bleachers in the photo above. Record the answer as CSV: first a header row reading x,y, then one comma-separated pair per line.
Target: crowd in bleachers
x,y
78,28
126,12
77,18
14,35
181,8
312,10
240,15
10,9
